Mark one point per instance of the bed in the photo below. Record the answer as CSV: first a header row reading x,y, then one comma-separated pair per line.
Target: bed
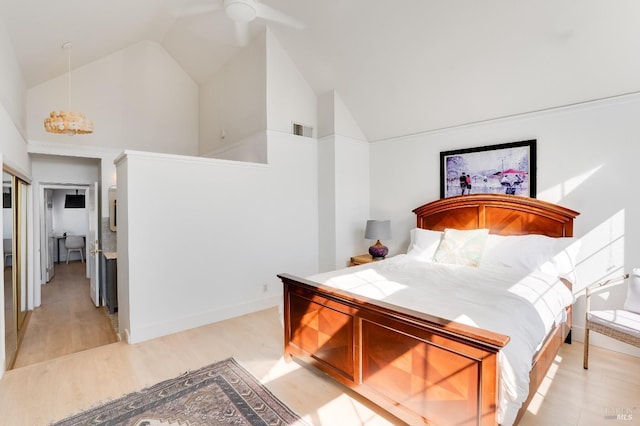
x,y
420,353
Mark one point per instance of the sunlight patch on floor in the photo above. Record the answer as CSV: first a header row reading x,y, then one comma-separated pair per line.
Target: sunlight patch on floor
x,y
543,389
350,411
280,369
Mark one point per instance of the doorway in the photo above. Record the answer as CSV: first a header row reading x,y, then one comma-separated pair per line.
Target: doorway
x,y
69,318
64,214
62,290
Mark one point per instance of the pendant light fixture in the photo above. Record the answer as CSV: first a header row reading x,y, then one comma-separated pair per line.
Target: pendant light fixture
x,y
68,122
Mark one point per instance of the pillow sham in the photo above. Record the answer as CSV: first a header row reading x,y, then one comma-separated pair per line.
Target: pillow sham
x,y
423,244
528,252
461,247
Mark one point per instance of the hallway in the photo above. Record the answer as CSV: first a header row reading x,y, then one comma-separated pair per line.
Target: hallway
x,y
67,321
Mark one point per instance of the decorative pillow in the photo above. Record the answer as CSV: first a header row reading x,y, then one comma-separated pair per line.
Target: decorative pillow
x,y
461,247
632,302
528,252
424,243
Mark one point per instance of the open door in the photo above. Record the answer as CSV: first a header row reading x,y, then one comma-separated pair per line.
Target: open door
x,y
49,238
93,244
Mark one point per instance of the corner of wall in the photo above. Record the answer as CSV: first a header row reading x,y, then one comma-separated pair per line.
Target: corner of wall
x,y
290,98
233,104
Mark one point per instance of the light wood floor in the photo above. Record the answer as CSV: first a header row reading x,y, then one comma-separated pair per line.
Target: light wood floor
x,y
50,390
66,321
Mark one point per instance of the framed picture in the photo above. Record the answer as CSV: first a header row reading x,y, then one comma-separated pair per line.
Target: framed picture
x,y
508,168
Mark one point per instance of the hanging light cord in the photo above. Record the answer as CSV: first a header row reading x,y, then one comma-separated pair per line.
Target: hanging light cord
x,y
67,46
68,122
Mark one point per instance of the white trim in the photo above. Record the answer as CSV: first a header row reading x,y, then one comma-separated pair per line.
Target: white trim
x,y
593,103
54,148
158,329
143,155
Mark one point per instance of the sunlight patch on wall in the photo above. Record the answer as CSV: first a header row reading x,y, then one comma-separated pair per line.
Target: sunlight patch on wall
x,y
556,193
602,252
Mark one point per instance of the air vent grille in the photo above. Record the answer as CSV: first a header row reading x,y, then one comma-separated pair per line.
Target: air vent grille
x,y
302,130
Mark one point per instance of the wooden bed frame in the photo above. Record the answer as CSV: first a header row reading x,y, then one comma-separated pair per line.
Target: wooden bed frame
x,y
421,368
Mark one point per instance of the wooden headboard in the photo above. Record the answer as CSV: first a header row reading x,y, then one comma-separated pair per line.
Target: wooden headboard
x,y
501,214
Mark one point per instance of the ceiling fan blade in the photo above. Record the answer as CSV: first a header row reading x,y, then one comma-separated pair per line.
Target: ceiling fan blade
x,y
182,8
267,12
242,32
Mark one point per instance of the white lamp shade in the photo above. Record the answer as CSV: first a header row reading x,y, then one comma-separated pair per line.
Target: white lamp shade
x,y
378,230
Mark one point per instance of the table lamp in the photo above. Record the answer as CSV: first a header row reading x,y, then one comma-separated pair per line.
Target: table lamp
x,y
378,230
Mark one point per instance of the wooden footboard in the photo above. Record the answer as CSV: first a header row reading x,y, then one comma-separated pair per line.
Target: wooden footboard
x,y
421,368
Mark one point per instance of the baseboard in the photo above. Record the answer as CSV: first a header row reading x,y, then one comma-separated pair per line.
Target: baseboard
x,y
151,331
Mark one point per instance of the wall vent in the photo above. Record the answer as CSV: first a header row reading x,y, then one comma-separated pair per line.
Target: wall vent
x,y
302,130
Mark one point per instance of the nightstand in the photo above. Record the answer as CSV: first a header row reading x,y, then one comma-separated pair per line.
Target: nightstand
x,y
362,259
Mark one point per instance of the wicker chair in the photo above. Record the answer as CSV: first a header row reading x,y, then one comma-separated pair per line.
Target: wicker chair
x,y
619,324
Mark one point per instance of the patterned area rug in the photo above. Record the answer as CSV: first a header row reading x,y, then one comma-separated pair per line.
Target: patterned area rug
x,y
223,393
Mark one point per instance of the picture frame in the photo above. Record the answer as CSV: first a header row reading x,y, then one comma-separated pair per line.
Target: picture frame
x,y
508,168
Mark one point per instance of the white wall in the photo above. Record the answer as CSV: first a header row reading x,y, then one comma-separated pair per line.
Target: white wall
x,y
290,98
66,220
352,198
238,104
12,108
199,248
13,145
12,87
343,184
252,149
233,105
64,170
587,157
138,98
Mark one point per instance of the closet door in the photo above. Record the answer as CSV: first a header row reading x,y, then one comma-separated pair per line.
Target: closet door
x,y
20,244
14,239
10,317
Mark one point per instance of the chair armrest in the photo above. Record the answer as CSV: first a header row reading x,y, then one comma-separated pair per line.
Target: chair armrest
x,y
606,282
588,289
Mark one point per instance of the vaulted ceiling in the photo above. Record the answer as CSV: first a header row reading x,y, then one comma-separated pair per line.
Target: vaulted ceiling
x,y
400,66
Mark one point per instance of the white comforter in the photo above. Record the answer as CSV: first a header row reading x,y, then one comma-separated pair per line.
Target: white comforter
x,y
524,305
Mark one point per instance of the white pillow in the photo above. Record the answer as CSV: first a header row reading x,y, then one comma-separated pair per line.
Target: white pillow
x,y
632,302
424,243
461,247
528,252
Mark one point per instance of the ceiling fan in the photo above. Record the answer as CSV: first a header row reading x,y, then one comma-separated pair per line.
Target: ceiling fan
x,y
241,12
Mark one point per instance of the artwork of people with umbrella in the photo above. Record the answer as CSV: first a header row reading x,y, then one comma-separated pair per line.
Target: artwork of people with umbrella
x,y
494,169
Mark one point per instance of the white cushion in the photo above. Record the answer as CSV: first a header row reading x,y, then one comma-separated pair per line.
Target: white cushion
x,y
632,302
624,321
461,247
528,252
424,243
